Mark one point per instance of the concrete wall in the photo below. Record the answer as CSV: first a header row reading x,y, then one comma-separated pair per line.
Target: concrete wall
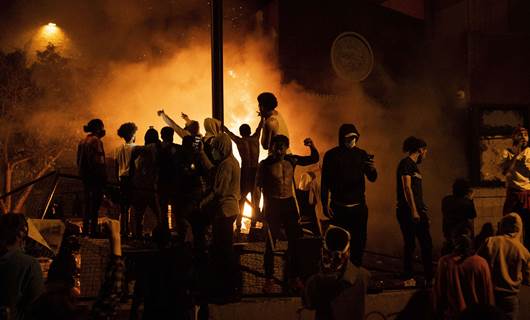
x,y
488,202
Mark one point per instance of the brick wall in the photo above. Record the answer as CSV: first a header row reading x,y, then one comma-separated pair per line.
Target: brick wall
x,y
488,202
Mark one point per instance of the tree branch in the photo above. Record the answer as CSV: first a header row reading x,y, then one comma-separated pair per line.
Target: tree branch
x,y
24,197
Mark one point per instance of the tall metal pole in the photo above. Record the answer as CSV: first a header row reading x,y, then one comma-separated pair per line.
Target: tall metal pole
x,y
217,59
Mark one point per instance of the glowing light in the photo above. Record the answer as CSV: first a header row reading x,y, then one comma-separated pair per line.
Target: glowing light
x,y
50,29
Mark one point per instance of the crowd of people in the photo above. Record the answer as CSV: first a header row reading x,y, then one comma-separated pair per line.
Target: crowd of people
x,y
202,185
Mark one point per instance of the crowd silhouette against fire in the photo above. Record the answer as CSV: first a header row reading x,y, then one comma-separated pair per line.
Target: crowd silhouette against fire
x,y
197,192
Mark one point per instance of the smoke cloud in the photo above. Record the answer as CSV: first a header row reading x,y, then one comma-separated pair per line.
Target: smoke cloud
x,y
158,57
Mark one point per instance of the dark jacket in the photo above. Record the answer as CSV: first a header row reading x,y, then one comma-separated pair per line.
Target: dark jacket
x,y
343,172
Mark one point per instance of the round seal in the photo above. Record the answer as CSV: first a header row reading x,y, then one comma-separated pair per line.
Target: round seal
x,y
352,57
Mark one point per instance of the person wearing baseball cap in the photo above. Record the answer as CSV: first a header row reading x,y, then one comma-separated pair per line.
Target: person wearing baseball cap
x,y
515,166
343,185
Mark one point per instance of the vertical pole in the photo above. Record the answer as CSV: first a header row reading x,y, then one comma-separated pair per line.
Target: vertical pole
x,y
217,59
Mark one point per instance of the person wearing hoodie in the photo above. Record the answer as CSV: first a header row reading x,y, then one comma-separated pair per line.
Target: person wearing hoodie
x,y
343,177
463,279
509,261
212,128
224,197
275,180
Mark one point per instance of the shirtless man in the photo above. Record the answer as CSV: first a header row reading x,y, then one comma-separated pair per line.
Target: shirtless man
x,y
248,148
275,180
273,121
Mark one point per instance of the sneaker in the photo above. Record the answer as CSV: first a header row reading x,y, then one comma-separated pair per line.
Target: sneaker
x,y
268,287
409,283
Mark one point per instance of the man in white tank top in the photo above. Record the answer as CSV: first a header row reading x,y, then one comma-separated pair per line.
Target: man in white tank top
x,y
273,121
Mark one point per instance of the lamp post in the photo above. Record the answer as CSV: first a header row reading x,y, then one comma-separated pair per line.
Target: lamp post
x,y
217,59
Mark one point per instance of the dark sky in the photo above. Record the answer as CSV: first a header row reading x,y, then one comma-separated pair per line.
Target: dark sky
x,y
119,29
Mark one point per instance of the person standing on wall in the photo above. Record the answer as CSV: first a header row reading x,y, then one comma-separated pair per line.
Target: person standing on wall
x,y
343,177
411,211
93,172
515,166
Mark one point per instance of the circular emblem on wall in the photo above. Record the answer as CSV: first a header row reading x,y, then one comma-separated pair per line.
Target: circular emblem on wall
x,y
352,57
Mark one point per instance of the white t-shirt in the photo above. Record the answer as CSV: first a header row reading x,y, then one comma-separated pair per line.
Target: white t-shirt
x,y
123,158
519,176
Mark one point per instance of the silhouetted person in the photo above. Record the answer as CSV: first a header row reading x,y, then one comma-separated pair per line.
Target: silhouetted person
x,y
509,261
224,197
165,285
169,181
127,132
273,121
339,290
275,180
516,167
462,279
195,177
92,170
145,170
191,128
343,180
248,148
60,300
458,211
20,274
411,211
486,231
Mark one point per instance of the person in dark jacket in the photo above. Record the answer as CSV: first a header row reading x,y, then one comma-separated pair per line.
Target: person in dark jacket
x,y
169,180
275,180
458,212
343,177
144,172
21,281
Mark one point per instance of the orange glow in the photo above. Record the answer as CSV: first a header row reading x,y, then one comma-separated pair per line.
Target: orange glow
x,y
50,29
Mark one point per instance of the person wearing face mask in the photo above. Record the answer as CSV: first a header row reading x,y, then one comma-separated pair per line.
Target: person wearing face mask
x,y
411,210
515,166
339,290
343,185
93,172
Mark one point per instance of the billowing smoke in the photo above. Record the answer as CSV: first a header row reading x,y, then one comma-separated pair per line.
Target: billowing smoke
x,y
148,65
